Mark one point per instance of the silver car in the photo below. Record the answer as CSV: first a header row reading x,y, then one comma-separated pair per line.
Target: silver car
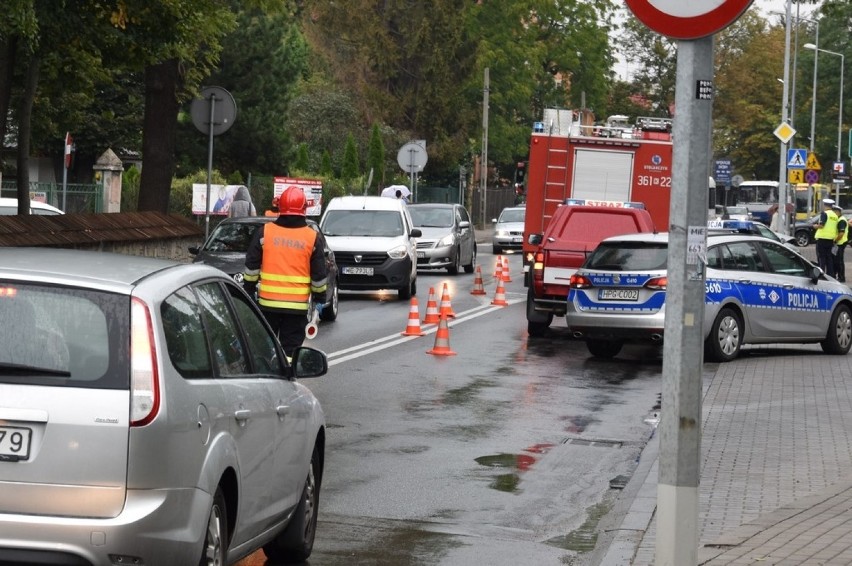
x,y
447,239
509,229
149,416
758,291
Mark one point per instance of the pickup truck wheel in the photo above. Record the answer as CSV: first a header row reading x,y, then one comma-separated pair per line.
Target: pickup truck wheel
x,y
537,322
606,349
803,238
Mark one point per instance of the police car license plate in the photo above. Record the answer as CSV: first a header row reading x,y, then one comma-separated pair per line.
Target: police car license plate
x,y
14,443
618,294
358,270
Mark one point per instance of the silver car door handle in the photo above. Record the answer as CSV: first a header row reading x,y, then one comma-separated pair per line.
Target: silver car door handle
x,y
282,410
242,415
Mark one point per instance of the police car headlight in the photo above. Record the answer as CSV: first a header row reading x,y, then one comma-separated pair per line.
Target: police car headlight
x,y
447,240
398,252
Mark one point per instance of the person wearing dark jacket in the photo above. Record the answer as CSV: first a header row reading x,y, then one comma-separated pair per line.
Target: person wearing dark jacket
x,y
285,267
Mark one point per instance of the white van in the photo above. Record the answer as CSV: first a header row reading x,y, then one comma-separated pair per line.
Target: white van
x,y
9,207
374,242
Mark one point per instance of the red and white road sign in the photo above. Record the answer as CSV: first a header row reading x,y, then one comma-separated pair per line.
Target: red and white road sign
x,y
68,143
691,19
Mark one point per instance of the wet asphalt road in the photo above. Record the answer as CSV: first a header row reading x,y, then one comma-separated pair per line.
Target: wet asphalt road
x,y
503,453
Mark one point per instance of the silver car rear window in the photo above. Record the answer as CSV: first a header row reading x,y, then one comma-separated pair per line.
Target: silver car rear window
x,y
628,256
65,337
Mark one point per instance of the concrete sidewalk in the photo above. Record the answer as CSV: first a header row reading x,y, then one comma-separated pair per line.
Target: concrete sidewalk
x,y
776,478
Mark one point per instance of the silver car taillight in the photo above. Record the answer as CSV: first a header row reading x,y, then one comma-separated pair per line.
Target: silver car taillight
x,y
144,382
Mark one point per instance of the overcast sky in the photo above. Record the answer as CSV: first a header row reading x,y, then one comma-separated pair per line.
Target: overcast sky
x,y
622,69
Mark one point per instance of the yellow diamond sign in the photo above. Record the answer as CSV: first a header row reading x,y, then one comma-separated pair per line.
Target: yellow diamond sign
x,y
784,132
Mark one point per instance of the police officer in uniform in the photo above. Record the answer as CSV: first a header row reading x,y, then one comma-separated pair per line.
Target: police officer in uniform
x,y
285,266
840,242
826,234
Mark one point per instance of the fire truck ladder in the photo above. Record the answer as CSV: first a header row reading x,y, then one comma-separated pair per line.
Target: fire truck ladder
x,y
555,178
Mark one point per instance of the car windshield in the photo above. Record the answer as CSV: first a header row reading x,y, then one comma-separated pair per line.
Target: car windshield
x,y
231,237
737,210
628,256
512,215
426,217
381,223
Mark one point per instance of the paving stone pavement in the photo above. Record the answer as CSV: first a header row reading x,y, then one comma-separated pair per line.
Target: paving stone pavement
x,y
776,478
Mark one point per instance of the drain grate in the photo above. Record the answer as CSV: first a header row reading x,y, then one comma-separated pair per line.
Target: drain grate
x,y
594,442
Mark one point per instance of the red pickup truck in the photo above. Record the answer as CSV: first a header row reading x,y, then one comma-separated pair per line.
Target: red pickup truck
x,y
576,229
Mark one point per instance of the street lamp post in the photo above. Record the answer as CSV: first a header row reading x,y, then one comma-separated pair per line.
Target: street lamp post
x,y
840,108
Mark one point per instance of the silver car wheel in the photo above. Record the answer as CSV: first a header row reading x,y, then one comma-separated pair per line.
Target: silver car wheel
x,y
310,501
729,335
214,547
843,329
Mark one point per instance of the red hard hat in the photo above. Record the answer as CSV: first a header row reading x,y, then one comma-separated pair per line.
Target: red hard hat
x,y
293,201
274,202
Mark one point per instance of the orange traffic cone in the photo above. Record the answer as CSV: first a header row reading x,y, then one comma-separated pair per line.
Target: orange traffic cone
x,y
446,307
500,295
498,268
442,340
413,327
506,277
478,289
432,316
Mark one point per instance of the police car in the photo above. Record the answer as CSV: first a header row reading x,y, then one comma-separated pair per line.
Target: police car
x,y
758,291
752,227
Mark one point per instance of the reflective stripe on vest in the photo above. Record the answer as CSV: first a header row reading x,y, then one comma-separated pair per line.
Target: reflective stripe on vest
x,y
285,270
829,230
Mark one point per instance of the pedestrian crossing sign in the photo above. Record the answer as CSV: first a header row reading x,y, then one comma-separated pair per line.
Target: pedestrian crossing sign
x,y
797,159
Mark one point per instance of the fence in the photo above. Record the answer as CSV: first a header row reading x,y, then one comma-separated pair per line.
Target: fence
x,y
79,197
496,199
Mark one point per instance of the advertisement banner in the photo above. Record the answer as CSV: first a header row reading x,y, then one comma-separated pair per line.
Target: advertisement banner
x,y
311,187
220,198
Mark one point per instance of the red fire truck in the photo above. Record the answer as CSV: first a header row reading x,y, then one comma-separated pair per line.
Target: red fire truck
x,y
570,158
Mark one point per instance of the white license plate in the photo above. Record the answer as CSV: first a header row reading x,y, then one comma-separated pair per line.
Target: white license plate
x,y
421,255
14,443
357,270
618,294
517,240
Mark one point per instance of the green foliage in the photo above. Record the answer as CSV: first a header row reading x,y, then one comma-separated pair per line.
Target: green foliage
x,y
654,63
180,199
130,189
349,168
302,162
376,156
325,165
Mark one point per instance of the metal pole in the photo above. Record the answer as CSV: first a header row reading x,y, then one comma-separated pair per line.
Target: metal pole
x,y
782,166
813,101
839,127
483,180
680,425
209,166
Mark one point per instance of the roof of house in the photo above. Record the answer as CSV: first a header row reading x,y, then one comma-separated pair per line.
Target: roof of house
x,y
77,229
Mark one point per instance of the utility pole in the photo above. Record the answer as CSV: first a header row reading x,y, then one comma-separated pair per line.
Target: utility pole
x,y
483,177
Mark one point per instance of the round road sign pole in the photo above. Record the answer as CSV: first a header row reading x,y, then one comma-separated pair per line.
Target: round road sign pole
x,y
212,102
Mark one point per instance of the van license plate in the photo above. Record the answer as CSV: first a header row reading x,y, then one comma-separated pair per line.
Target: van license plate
x,y
14,443
618,294
357,270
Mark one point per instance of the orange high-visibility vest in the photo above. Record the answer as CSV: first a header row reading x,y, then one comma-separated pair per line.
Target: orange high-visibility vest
x,y
285,270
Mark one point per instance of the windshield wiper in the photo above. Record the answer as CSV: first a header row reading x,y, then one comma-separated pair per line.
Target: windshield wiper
x,y
21,369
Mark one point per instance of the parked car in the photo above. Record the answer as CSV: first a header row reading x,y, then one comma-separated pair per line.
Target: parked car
x,y
509,229
723,212
9,207
447,239
226,248
757,292
803,231
374,241
149,416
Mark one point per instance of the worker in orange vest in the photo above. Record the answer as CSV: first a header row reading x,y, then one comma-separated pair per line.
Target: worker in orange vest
x,y
285,267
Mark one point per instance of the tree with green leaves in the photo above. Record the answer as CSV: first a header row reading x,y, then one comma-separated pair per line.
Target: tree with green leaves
x,y
302,163
654,62
326,168
376,156
350,169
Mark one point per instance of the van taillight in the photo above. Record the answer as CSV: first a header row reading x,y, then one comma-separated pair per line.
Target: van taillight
x,y
658,283
144,379
579,282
